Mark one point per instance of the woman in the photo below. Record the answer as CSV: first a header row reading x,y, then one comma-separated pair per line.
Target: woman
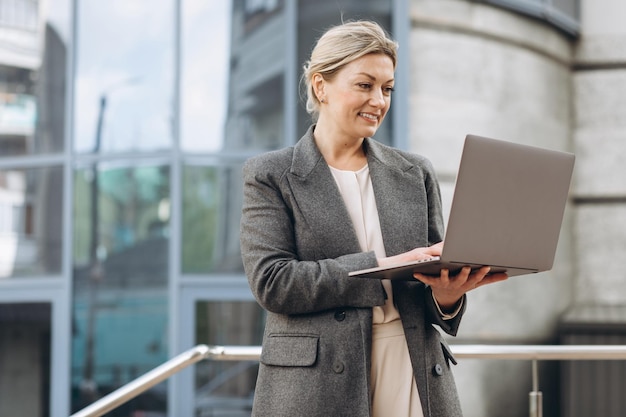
x,y
335,202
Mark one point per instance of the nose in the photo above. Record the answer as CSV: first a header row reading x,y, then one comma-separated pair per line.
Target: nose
x,y
377,98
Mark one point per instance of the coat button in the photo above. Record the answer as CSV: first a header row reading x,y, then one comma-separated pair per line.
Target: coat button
x,y
338,367
437,370
340,315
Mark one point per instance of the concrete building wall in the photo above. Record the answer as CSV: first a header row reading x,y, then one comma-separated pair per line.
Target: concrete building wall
x,y
600,141
488,71
478,69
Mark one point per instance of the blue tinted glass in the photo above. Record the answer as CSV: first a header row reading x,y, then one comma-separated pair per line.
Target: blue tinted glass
x,y
204,73
31,221
211,214
564,14
124,75
227,386
232,81
314,17
121,263
568,7
34,45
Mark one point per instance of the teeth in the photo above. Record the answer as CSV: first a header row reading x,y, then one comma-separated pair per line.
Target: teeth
x,y
369,116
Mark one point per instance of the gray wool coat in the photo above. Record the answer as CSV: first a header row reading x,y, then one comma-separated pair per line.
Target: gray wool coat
x,y
298,245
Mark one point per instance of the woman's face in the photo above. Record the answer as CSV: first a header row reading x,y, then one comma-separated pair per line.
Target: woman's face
x,y
358,97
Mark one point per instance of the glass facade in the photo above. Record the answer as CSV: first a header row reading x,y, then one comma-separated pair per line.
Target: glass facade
x,y
35,49
124,76
205,32
564,14
25,330
123,128
226,388
211,201
315,16
120,279
30,245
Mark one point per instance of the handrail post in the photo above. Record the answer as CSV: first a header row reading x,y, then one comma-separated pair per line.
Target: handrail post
x,y
535,396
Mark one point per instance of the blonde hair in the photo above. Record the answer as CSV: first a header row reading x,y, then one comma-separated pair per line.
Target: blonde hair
x,y
341,45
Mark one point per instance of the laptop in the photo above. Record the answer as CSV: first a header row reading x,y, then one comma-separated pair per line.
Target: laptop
x,y
506,211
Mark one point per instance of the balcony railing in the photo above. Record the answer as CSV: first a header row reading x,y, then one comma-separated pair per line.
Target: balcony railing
x,y
533,353
19,14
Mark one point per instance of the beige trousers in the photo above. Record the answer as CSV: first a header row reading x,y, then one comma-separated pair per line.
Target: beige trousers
x,y
394,391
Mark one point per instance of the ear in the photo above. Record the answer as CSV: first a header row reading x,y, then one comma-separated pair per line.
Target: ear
x,y
318,83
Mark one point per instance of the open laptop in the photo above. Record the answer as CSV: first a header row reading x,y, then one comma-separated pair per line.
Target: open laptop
x,y
506,212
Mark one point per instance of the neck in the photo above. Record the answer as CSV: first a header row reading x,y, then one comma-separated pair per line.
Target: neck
x,y
339,151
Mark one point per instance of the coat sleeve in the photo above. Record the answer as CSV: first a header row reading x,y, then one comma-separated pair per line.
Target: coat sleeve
x,y
280,281
450,326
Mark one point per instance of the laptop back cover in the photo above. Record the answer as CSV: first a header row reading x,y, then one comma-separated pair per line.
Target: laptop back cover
x,y
508,204
506,212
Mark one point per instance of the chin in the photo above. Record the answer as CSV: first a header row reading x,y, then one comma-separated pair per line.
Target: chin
x,y
368,133
368,130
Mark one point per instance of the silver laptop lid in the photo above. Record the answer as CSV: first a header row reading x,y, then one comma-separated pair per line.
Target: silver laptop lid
x,y
508,204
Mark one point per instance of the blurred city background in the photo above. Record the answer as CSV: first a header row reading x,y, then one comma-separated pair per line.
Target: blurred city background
x,y
123,128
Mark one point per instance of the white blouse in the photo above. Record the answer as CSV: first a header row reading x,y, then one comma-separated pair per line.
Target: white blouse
x,y
393,387
358,195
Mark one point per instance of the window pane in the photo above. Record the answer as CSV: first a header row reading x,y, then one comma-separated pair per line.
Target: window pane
x,y
568,7
33,65
204,78
211,215
227,388
563,14
232,86
124,75
121,221
30,241
314,17
25,334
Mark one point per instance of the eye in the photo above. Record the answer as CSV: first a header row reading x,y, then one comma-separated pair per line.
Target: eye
x,y
365,86
388,90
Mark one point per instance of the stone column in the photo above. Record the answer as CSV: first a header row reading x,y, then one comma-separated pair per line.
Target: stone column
x,y
484,70
600,142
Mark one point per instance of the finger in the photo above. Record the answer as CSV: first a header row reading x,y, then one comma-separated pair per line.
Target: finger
x,y
478,275
484,270
444,276
492,279
441,281
426,279
436,248
462,277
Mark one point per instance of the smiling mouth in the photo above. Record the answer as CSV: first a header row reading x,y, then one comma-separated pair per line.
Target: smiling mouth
x,y
369,116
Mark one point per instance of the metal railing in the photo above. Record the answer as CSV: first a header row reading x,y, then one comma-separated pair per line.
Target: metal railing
x,y
532,353
145,382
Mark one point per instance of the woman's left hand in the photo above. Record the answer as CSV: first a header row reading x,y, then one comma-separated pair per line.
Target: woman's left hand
x,y
448,290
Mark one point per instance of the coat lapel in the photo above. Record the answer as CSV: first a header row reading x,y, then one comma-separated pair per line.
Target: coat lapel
x,y
396,185
318,199
400,199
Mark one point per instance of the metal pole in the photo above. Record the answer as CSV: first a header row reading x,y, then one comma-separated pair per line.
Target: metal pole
x,y
252,353
535,396
88,385
536,404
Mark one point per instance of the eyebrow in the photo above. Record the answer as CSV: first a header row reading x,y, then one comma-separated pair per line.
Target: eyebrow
x,y
371,77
